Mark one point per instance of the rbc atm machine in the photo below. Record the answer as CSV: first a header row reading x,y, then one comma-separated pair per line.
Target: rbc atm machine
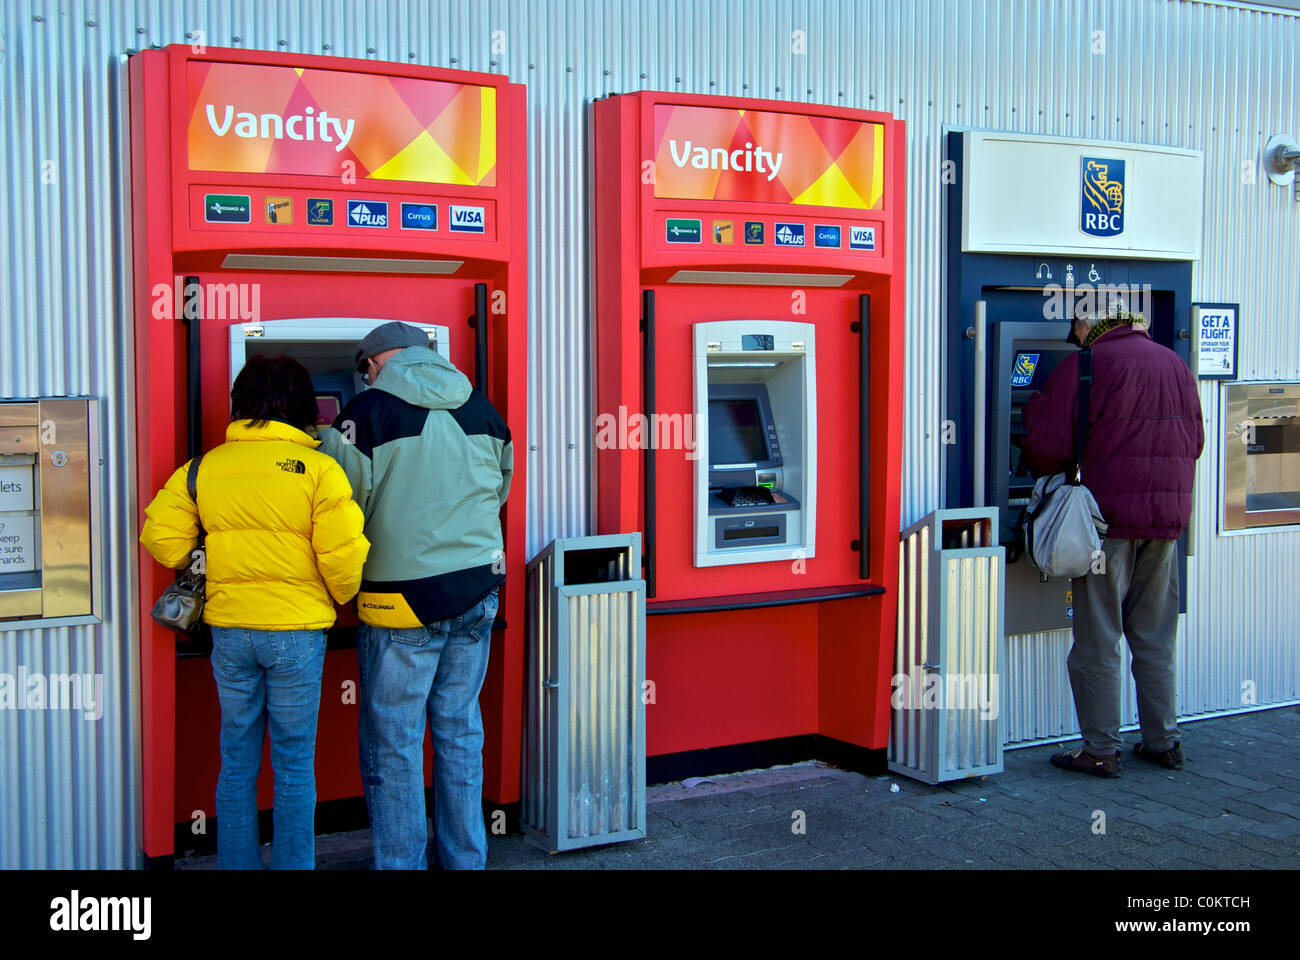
x,y
756,481
1041,230
285,203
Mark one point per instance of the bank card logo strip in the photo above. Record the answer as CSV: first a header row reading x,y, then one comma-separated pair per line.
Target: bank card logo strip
x,y
862,238
368,213
462,219
1022,372
279,210
826,235
227,208
788,234
682,230
419,216
320,212
1101,197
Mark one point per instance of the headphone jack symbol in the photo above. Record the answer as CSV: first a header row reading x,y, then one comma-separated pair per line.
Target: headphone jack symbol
x,y
1038,275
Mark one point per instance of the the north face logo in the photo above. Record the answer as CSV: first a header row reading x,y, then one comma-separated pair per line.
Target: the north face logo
x,y
292,466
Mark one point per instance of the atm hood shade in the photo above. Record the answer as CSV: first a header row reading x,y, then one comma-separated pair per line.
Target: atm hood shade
x,y
249,261
761,279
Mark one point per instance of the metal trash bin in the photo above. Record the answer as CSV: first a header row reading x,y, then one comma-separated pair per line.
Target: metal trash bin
x,y
946,716
583,770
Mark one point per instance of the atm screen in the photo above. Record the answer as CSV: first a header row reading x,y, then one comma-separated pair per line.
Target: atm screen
x,y
736,432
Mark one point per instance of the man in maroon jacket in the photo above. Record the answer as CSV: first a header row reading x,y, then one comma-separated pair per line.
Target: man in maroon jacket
x,y
1139,459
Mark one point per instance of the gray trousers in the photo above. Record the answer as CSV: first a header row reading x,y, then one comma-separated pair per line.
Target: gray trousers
x,y
1137,598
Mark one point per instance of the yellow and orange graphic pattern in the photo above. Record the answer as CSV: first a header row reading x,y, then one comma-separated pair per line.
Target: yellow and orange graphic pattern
x,y
709,153
252,118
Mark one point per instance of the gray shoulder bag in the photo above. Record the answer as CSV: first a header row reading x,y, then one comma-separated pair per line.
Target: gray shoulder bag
x,y
180,607
1063,526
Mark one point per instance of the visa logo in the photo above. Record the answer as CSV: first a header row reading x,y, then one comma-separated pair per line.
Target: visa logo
x,y
862,238
467,219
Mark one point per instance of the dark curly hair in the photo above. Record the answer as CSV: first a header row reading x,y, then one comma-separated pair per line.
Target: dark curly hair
x,y
274,388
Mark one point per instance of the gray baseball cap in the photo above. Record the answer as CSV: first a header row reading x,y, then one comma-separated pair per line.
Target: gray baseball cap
x,y
387,336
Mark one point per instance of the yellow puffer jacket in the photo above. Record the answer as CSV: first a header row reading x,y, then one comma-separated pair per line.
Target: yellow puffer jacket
x,y
283,533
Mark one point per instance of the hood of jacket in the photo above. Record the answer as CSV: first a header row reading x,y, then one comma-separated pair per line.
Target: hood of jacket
x,y
423,377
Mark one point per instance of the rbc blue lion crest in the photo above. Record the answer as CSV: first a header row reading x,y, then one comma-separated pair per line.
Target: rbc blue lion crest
x,y
1022,374
1102,197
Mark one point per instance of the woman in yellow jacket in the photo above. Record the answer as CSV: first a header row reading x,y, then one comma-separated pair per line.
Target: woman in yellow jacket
x,y
283,537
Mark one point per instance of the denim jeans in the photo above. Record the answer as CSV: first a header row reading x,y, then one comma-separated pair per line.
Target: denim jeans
x,y
267,678
435,671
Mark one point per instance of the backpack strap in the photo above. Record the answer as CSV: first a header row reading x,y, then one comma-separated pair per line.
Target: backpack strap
x,y
1081,423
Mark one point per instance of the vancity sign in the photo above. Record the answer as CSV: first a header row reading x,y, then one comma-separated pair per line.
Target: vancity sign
x,y
718,153
258,118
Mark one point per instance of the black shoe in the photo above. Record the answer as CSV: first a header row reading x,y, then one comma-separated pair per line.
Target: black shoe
x,y
1080,761
1171,759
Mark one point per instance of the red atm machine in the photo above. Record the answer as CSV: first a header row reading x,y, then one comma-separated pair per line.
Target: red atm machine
x,y
749,335
289,204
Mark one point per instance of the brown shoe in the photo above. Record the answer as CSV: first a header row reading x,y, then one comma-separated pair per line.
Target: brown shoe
x,y
1171,759
1080,761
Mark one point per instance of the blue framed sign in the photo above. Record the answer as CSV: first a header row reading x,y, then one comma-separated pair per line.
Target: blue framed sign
x,y
1214,340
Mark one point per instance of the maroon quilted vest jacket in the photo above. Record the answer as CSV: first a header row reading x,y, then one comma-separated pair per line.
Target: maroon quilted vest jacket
x,y
1144,433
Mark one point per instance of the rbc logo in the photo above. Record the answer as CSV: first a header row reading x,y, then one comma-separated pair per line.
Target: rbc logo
x,y
1102,197
1022,374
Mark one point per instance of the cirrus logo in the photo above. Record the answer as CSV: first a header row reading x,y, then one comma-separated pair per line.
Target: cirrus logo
x,y
419,216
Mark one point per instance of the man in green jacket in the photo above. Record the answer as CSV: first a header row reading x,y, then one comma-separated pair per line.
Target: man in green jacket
x,y
430,460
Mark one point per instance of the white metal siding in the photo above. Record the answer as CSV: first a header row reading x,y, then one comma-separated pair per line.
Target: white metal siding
x,y
1211,77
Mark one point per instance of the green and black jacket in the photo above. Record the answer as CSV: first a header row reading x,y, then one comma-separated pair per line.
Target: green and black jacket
x,y
429,460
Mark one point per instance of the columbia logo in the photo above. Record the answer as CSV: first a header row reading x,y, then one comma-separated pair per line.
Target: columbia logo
x,y
292,466
378,606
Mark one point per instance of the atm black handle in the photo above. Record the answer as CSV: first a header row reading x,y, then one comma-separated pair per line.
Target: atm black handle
x,y
648,461
864,436
193,368
478,321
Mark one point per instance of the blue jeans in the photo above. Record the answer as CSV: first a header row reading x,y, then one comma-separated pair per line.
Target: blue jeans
x,y
267,677
435,671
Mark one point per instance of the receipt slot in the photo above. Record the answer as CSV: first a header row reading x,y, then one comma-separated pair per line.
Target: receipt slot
x,y
49,511
755,389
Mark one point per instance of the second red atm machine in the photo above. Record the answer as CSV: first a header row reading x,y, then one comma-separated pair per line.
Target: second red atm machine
x,y
287,203
749,330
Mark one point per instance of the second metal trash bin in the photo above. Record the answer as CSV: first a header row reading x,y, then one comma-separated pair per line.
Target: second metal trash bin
x,y
583,775
946,719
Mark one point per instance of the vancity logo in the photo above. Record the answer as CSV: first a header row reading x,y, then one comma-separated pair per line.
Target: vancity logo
x,y
308,125
749,159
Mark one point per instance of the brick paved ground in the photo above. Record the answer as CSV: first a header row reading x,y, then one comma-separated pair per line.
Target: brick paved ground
x,y
1235,805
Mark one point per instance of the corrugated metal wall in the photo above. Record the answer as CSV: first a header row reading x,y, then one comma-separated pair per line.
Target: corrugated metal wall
x,y
1210,77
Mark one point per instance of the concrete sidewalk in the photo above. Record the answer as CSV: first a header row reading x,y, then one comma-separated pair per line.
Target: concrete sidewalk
x,y
1235,805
